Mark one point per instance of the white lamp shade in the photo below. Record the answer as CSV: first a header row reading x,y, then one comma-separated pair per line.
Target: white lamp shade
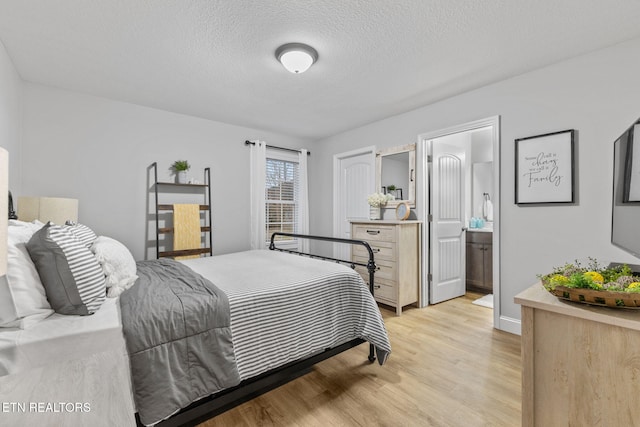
x,y
296,57
55,209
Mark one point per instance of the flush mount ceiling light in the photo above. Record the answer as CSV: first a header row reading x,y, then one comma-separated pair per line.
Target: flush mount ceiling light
x,y
296,57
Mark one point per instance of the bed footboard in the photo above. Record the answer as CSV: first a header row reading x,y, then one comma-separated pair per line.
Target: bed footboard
x,y
370,265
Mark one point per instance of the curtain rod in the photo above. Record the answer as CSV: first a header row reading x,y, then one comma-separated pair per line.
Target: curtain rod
x,y
247,142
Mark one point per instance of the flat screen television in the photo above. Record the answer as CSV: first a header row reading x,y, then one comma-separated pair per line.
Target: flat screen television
x,y
625,229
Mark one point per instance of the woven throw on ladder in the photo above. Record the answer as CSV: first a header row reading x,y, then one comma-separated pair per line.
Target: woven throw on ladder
x,y
186,229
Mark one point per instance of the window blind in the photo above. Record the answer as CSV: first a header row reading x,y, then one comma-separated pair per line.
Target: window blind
x,y
281,197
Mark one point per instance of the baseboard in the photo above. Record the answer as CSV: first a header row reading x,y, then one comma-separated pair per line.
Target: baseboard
x,y
509,324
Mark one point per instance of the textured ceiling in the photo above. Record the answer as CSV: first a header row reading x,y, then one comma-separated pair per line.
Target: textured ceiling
x,y
215,59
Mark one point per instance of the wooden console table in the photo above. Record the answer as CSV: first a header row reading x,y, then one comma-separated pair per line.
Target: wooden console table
x,y
580,364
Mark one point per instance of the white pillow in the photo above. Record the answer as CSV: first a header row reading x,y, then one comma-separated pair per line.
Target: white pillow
x,y
26,289
117,263
22,231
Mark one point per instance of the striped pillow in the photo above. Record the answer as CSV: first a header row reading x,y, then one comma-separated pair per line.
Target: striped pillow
x,y
72,277
82,232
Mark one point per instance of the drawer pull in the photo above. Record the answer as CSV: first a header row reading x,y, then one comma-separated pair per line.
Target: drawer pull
x,y
375,250
373,231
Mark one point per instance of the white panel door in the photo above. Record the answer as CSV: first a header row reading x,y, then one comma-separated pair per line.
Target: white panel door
x,y
356,180
447,228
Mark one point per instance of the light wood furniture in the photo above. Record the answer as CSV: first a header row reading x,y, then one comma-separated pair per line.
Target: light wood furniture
x,y
479,261
579,363
396,245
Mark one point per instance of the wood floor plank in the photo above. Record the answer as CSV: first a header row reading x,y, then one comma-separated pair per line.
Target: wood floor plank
x,y
448,368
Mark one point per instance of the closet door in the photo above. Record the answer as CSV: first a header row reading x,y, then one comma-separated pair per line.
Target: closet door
x,y
354,178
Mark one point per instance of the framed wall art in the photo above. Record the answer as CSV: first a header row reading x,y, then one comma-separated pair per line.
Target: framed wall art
x,y
545,171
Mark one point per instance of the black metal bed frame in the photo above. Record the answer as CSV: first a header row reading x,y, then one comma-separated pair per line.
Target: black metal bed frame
x,y
248,389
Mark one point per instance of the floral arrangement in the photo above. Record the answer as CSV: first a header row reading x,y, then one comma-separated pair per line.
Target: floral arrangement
x,y
592,276
378,199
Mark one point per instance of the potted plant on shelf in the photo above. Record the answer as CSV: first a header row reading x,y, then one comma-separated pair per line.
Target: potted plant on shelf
x,y
376,201
180,168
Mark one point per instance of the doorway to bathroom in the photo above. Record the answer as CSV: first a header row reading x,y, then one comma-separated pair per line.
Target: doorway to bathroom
x,y
461,244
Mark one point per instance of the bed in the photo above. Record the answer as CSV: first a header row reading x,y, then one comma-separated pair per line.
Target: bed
x,y
285,313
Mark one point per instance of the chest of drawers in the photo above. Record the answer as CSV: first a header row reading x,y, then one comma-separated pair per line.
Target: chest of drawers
x,y
396,247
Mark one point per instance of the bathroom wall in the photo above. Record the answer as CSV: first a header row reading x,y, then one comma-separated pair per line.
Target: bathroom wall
x,y
481,168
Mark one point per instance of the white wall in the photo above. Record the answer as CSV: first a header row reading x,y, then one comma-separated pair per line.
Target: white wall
x,y
481,146
10,117
98,151
596,94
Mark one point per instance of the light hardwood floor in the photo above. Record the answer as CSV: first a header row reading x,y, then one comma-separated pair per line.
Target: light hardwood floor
x,y
448,367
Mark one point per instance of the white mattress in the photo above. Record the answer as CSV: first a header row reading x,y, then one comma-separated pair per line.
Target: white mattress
x,y
61,338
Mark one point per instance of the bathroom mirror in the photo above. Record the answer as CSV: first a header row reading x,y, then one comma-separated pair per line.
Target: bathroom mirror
x,y
396,174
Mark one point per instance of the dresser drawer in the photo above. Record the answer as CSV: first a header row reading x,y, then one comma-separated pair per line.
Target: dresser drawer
x,y
386,269
381,250
385,290
374,232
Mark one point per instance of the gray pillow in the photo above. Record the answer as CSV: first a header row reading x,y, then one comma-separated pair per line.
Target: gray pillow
x,y
72,277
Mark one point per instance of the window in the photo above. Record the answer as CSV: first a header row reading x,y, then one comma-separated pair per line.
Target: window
x,y
281,196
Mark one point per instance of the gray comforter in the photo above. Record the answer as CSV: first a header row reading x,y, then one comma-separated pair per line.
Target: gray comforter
x,y
177,328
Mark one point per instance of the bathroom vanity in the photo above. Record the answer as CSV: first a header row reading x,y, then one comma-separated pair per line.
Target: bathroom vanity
x,y
479,260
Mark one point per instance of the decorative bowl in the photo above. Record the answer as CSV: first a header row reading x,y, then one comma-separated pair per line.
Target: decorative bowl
x,y
615,299
614,286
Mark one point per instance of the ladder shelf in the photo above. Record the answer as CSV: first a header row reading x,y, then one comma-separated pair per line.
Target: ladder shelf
x,y
206,208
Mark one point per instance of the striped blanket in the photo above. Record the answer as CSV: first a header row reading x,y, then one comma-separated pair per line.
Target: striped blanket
x,y
285,307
